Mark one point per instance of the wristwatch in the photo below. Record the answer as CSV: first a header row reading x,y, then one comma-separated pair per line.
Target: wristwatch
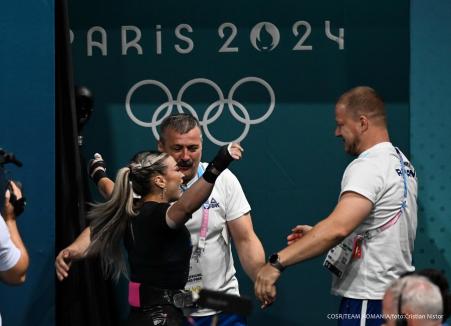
x,y
274,260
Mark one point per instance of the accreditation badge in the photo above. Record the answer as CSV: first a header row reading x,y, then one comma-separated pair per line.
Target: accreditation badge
x,y
339,257
194,283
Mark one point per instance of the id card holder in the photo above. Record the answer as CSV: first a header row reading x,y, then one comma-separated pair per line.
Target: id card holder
x,y
194,283
339,257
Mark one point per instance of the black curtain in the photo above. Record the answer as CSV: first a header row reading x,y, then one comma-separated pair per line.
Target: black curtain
x,y
84,298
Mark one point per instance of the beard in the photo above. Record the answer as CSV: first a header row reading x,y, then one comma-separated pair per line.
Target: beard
x,y
351,147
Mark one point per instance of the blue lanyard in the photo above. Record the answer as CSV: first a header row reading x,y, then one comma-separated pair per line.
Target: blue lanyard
x,y
371,233
404,175
200,170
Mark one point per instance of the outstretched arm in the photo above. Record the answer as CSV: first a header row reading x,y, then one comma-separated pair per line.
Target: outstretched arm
x,y
349,213
248,245
76,250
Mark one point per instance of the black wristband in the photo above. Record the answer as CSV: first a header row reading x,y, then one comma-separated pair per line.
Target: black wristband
x,y
97,170
99,174
218,164
209,175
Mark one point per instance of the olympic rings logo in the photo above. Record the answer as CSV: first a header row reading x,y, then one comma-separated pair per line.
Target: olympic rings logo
x,y
206,120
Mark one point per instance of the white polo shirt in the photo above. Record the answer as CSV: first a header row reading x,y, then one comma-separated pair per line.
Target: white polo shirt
x,y
227,202
375,174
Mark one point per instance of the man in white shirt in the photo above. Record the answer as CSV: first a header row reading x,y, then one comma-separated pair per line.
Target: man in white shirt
x,y
371,231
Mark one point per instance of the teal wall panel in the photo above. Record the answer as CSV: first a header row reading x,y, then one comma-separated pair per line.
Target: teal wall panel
x,y
431,129
27,129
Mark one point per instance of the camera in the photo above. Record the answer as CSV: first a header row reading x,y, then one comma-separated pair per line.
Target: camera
x,y
6,157
5,183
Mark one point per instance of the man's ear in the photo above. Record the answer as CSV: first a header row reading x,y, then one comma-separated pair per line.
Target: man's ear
x,y
363,123
160,146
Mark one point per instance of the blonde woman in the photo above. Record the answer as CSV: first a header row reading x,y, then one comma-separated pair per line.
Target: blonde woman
x,y
153,231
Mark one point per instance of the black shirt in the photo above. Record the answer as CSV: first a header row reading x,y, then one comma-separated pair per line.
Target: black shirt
x,y
158,255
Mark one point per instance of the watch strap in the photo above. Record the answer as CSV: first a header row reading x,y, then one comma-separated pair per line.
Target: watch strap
x,y
274,261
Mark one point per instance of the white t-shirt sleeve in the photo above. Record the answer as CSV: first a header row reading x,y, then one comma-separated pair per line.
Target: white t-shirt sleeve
x,y
236,203
9,253
363,177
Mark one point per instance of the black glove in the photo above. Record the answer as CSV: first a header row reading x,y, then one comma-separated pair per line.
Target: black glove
x,y
18,204
219,164
97,168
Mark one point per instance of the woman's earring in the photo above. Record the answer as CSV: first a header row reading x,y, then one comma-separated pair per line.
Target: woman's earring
x,y
163,193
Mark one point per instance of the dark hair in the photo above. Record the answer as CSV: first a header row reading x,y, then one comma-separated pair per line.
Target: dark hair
x,y
363,100
110,219
180,122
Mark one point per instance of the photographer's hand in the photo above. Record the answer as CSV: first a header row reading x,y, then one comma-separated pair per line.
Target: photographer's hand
x,y
9,212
